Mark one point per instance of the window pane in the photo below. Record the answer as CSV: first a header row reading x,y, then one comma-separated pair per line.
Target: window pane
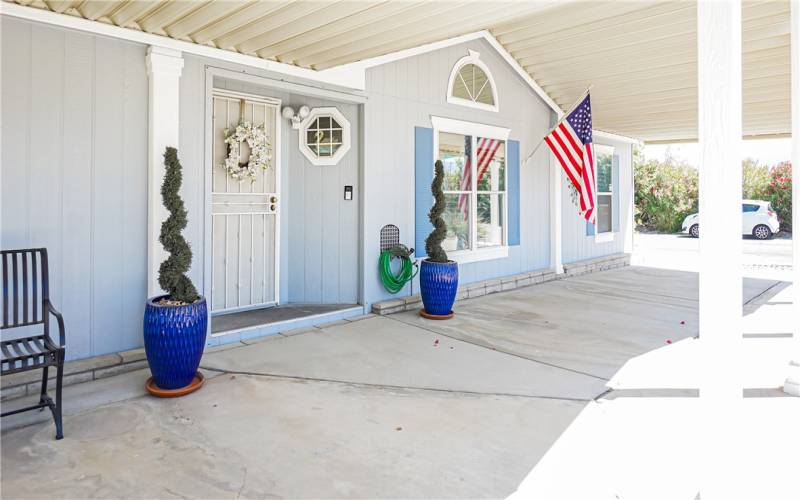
x,y
456,216
604,165
747,207
453,150
603,213
491,156
460,90
490,220
473,84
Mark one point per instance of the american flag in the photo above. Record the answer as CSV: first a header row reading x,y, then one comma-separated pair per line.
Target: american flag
x,y
487,148
571,143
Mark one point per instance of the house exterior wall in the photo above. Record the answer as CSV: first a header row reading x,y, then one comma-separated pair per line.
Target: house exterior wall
x,y
575,243
74,176
403,95
74,168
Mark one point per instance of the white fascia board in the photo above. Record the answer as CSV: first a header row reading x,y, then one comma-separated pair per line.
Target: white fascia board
x,y
341,77
599,134
349,76
526,77
430,47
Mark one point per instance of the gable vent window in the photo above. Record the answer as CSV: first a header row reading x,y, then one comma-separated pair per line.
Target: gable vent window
x,y
471,84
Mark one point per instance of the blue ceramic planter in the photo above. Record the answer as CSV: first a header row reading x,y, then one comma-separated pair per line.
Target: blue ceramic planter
x,y
438,283
174,338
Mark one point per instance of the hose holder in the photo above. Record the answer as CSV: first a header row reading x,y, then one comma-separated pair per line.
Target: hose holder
x,y
392,248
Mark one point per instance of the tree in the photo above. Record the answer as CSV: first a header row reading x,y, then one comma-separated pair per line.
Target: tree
x,y
433,243
755,179
172,272
779,193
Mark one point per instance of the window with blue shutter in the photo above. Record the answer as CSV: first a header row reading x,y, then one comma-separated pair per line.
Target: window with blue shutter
x,y
481,188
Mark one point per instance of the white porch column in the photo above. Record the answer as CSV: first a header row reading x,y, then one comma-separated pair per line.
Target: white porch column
x,y
555,216
164,68
792,384
719,61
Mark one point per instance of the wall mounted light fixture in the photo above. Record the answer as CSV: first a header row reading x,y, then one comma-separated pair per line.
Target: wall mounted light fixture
x,y
296,118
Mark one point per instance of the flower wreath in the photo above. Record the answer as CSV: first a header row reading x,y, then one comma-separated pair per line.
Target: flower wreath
x,y
260,151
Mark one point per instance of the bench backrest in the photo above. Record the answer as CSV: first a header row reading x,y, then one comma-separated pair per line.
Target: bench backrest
x,y
25,287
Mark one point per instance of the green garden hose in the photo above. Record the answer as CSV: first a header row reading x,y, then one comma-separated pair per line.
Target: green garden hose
x,y
394,283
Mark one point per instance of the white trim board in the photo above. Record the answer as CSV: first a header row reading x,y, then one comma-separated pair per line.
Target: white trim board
x,y
340,76
430,47
349,76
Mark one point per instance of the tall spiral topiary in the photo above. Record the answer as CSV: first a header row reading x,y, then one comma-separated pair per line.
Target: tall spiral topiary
x,y
172,272
433,243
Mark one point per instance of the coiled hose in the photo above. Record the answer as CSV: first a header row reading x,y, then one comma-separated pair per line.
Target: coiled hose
x,y
395,282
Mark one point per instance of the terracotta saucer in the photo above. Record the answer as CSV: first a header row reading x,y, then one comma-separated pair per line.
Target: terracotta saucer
x,y
196,383
428,315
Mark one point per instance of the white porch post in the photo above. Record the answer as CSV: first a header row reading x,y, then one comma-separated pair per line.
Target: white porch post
x,y
792,384
164,68
719,61
555,216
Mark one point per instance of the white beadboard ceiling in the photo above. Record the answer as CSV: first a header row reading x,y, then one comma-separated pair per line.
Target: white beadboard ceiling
x,y
640,56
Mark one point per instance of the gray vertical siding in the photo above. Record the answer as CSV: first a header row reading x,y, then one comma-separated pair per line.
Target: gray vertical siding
x,y
74,167
74,172
405,94
575,244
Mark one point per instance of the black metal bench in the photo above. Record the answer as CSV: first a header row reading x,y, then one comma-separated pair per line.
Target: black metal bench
x,y
26,303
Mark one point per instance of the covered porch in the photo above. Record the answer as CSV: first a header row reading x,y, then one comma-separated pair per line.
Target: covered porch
x,y
466,408
365,403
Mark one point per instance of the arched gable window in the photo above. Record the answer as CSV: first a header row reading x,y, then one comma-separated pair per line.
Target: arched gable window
x,y
471,84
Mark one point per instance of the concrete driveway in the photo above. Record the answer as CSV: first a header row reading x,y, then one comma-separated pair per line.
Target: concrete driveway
x,y
378,407
768,258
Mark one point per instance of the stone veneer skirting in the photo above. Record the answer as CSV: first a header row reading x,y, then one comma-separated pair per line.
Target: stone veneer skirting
x,y
480,288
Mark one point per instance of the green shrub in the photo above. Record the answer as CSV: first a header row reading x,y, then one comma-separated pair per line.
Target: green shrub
x,y
755,180
433,243
172,272
664,193
779,193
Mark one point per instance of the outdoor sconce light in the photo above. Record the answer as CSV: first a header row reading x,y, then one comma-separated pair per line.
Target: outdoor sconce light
x,y
302,113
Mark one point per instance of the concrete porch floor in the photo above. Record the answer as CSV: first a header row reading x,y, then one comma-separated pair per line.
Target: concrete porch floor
x,y
375,407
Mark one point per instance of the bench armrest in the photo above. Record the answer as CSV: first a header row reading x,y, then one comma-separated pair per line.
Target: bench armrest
x,y
60,320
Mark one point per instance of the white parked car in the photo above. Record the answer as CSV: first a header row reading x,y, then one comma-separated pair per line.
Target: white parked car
x,y
758,219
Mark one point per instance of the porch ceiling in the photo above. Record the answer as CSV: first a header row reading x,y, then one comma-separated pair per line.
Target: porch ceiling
x,y
641,57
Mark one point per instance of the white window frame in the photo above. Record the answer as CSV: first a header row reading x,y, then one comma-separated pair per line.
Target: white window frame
x,y
475,130
610,235
303,136
472,58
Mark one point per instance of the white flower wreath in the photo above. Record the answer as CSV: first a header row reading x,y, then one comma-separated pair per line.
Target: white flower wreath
x,y
260,151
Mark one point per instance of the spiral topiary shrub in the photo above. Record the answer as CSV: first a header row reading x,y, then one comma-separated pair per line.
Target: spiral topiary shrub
x,y
172,272
175,324
438,276
433,243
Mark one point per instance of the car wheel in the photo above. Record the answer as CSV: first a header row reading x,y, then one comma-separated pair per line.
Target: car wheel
x,y
694,231
762,232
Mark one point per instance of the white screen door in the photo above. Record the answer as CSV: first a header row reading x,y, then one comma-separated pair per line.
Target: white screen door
x,y
245,221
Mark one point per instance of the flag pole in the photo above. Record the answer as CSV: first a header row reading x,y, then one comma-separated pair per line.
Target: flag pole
x,y
570,110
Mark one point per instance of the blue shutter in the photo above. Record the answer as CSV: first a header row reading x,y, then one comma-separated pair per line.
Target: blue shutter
x,y
615,189
423,177
512,186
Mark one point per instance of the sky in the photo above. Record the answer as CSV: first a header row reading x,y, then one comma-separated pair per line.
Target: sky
x,y
766,151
